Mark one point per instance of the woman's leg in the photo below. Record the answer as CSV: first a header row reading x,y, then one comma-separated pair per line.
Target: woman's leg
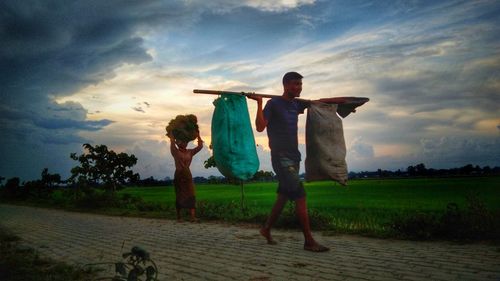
x,y
178,214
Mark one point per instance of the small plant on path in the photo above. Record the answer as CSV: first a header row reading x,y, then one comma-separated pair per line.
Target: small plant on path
x,y
137,265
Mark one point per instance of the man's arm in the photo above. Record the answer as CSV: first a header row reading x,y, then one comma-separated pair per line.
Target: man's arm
x,y
339,101
260,120
346,105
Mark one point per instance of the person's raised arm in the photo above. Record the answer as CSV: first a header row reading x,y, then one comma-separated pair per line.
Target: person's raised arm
x,y
260,120
199,146
173,148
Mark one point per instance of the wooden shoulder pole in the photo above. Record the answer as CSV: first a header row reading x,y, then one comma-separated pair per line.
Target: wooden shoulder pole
x,y
246,94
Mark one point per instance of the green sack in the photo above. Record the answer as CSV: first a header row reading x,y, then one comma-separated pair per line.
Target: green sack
x,y
233,142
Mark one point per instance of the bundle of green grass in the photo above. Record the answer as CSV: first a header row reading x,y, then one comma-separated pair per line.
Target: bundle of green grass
x,y
183,127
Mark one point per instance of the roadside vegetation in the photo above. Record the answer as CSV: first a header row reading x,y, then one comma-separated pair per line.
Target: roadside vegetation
x,y
465,209
21,263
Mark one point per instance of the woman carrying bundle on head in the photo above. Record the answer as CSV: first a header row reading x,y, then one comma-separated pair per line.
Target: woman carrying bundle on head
x,y
181,131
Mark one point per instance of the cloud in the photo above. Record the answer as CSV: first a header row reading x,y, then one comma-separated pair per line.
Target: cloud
x,y
138,109
62,116
278,5
359,149
459,150
89,125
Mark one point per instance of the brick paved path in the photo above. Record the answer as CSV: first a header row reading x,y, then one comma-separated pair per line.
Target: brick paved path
x,y
209,251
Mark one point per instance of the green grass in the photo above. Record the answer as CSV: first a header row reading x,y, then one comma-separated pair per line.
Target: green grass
x,y
401,194
364,206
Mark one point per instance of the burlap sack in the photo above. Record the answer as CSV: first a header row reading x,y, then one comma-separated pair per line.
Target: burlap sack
x,y
325,144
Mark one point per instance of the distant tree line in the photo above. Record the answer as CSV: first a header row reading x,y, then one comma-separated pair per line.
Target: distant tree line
x,y
102,168
420,170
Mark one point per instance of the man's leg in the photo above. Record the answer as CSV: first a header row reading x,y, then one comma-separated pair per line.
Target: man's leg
x,y
301,211
275,213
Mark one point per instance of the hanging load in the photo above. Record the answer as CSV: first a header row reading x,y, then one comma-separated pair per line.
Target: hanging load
x,y
233,141
325,144
183,127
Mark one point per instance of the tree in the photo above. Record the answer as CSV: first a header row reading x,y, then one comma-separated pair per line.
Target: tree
x,y
12,189
420,169
50,180
210,163
44,187
467,169
263,176
102,166
411,170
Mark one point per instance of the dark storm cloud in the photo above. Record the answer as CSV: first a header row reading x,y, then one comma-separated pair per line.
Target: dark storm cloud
x,y
456,149
47,52
51,49
60,118
55,123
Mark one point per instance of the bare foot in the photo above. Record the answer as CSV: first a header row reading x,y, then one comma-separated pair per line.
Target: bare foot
x,y
267,234
315,247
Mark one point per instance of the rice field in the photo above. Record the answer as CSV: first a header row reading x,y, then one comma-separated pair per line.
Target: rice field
x,y
364,206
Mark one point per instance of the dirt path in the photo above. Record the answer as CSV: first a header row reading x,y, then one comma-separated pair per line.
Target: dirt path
x,y
209,251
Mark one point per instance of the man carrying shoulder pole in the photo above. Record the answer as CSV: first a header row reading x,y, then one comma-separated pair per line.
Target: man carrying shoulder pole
x,y
280,117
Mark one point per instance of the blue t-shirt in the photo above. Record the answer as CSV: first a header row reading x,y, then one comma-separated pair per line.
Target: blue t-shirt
x,y
282,117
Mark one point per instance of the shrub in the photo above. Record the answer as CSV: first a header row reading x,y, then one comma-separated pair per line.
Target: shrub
x,y
473,223
14,191
420,226
95,199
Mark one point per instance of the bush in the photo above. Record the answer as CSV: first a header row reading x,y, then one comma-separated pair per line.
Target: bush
x,y
419,226
14,191
473,223
96,199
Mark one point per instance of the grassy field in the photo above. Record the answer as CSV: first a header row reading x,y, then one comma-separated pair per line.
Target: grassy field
x,y
364,206
400,194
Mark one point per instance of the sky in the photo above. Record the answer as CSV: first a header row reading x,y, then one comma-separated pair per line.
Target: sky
x,y
116,72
